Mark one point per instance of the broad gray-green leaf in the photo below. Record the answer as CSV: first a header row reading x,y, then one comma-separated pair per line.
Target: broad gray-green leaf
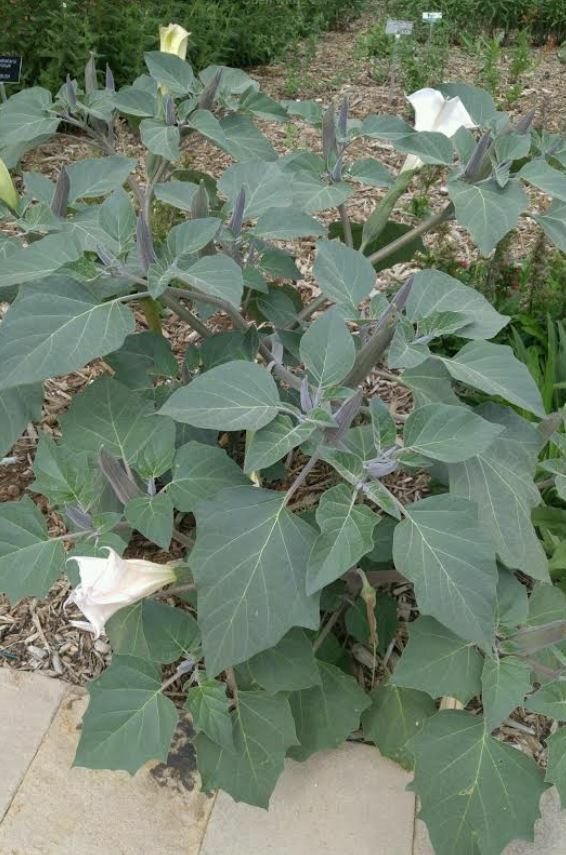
x,y
406,351
191,235
244,140
512,599
477,794
493,368
39,259
209,706
237,395
263,730
344,275
544,177
367,170
171,71
448,433
29,561
433,291
128,720
249,564
549,700
505,682
265,186
479,103
24,117
326,715
199,472
429,146
18,407
556,764
287,224
441,548
394,717
218,276
64,477
430,383
152,516
438,662
487,210
118,218
383,425
385,128
57,327
143,357
310,194
97,176
161,139
135,102
179,194
268,445
327,349
500,482
109,415
288,667
346,534
553,223
153,631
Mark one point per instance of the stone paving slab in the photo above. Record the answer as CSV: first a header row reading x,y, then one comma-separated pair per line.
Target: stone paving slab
x,y
340,802
59,810
28,703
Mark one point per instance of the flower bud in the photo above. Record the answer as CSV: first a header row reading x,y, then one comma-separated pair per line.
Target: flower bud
x,y
8,193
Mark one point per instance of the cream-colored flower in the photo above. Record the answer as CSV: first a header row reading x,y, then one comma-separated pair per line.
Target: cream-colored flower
x,y
174,39
434,112
109,584
7,190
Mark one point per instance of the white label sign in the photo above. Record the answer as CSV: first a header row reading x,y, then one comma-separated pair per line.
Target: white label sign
x,y
398,28
432,17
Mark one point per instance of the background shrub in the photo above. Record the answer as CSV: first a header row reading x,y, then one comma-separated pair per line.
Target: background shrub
x,y
55,37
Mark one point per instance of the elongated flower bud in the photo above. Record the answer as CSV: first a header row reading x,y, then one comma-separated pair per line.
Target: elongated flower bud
x,y
8,193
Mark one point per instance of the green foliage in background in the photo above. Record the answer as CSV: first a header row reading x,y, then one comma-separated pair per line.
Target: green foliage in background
x,y
55,37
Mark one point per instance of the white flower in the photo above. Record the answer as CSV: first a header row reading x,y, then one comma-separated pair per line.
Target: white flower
x,y
434,112
7,190
174,39
109,584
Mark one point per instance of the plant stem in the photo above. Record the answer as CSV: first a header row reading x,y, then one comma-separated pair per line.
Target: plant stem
x,y
232,685
346,225
330,623
150,310
301,477
176,589
427,225
195,323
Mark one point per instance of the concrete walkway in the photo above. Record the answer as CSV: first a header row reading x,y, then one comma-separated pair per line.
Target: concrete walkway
x,y
338,803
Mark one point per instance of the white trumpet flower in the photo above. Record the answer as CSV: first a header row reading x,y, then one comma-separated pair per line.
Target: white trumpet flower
x,y
109,584
174,39
435,112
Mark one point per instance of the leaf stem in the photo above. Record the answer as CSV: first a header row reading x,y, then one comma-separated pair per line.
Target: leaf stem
x,y
329,625
401,242
346,225
301,477
232,685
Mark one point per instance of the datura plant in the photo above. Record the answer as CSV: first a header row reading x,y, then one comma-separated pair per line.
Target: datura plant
x,y
265,455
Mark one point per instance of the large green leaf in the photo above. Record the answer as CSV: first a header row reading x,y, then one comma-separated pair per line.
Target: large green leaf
x,y
263,730
118,218
249,564
505,682
549,700
326,715
477,794
17,408
493,368
344,275
327,349
218,276
438,662
441,548
191,235
25,117
500,482
237,395
288,667
171,71
265,186
556,764
268,445
108,415
57,327
346,534
199,472
384,430
143,357
448,433
429,146
29,561
152,516
433,291
154,631
39,259
244,140
544,177
487,210
161,139
430,383
94,177
64,477
553,223
209,706
287,224
394,717
128,720
479,103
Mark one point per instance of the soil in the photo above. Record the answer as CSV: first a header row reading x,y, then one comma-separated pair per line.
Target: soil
x,y
36,634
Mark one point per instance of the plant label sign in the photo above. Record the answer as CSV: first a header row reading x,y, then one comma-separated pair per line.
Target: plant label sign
x,y
398,28
10,69
432,17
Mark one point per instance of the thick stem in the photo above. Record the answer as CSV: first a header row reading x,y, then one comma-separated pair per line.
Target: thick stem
x,y
195,323
379,218
426,226
302,476
150,310
346,225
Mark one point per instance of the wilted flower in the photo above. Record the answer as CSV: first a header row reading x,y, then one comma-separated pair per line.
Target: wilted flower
x,y
434,112
174,39
109,584
7,190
